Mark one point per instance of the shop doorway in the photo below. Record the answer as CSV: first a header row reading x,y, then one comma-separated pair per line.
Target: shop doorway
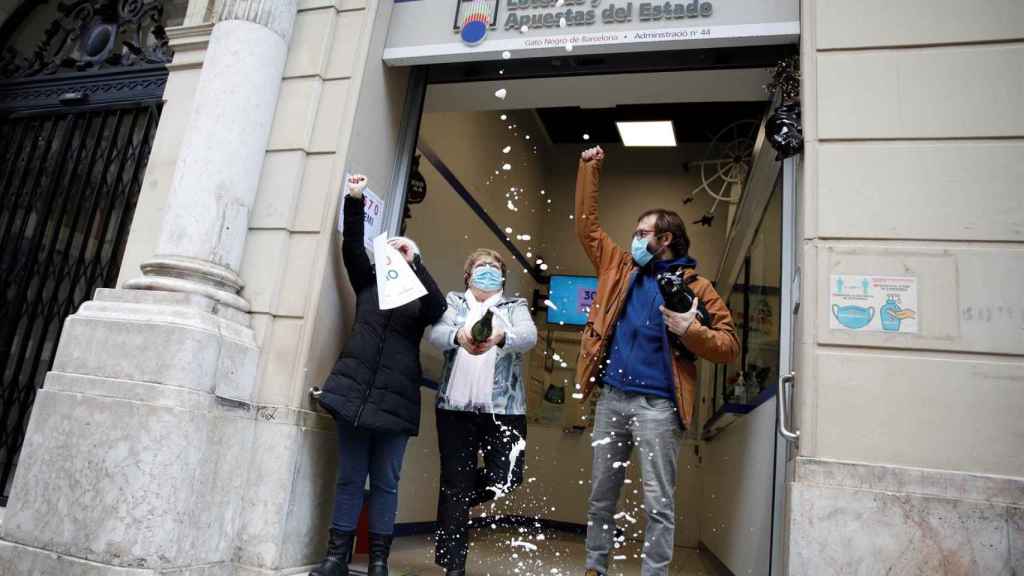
x,y
498,159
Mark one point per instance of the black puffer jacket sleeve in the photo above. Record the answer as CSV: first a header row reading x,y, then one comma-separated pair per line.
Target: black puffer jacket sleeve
x,y
357,263
433,305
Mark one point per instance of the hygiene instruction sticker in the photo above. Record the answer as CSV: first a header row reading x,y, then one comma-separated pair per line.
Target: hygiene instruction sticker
x,y
873,304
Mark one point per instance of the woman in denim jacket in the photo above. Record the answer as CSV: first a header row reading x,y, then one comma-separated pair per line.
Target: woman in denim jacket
x,y
481,403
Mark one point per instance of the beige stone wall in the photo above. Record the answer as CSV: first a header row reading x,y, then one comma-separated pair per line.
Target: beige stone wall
x,y
293,219
301,303
914,158
909,457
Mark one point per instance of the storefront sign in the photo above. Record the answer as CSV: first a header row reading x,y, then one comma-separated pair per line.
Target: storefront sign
x,y
873,304
423,32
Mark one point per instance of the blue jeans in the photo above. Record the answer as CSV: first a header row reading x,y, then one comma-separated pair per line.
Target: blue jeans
x,y
361,453
625,420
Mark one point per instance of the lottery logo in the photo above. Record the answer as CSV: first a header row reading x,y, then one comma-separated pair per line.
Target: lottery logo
x,y
473,18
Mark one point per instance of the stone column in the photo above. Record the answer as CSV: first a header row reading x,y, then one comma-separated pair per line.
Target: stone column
x,y
138,450
215,181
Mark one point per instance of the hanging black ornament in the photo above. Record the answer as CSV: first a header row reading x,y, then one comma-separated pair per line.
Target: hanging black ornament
x,y
417,190
784,131
705,220
785,82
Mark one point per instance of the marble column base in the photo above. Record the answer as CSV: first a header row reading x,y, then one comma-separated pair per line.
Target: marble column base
x,y
146,454
191,276
18,560
258,495
858,519
138,448
174,339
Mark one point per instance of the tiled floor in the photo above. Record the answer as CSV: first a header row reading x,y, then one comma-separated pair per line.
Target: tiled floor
x,y
508,552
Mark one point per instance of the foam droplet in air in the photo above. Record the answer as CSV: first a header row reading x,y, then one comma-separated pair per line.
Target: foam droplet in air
x,y
568,47
506,167
506,55
501,93
525,545
562,23
506,149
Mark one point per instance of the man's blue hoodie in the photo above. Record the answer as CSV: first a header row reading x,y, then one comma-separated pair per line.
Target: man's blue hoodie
x,y
638,360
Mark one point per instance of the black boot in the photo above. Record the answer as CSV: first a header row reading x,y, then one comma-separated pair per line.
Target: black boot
x,y
339,554
455,572
380,549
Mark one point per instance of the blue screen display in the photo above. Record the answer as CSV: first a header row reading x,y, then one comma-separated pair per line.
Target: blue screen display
x,y
573,296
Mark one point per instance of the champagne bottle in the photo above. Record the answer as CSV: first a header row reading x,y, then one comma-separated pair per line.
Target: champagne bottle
x,y
483,328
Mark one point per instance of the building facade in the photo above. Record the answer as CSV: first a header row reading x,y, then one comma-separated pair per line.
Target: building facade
x,y
174,433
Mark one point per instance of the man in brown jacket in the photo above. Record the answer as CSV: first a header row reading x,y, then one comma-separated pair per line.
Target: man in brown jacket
x,y
639,353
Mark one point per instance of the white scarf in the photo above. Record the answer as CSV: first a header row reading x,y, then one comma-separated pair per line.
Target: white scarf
x,y
471,384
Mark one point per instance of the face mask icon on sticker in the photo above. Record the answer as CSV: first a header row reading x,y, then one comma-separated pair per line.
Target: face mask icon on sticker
x,y
853,317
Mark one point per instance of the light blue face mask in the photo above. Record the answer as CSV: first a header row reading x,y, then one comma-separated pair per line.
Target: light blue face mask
x,y
486,278
640,252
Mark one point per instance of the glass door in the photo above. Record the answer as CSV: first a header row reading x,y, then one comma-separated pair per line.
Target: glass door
x,y
746,404
787,437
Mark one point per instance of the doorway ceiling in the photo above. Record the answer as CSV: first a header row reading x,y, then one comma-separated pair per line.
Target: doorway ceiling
x,y
692,121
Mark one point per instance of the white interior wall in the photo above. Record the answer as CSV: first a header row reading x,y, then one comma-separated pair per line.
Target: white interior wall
x,y
470,143
736,496
447,231
633,180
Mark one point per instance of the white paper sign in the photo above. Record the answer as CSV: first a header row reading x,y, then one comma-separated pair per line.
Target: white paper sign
x,y
873,304
373,216
397,284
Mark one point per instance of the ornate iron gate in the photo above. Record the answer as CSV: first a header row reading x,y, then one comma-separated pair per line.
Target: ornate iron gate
x,y
77,120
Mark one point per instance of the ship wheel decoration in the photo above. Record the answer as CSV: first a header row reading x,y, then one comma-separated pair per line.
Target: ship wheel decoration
x,y
724,169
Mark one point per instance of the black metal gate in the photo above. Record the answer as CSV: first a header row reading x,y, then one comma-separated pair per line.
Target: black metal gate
x,y
76,129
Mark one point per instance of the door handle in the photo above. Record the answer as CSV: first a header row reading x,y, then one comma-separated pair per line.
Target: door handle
x,y
785,407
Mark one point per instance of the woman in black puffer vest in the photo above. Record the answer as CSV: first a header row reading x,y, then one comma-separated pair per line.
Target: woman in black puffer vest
x,y
373,393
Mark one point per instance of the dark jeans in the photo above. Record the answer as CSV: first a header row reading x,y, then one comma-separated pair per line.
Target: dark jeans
x,y
361,452
460,437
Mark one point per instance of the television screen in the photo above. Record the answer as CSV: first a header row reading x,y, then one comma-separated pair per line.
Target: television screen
x,y
573,296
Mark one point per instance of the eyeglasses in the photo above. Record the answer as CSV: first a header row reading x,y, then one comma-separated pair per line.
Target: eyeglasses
x,y
643,233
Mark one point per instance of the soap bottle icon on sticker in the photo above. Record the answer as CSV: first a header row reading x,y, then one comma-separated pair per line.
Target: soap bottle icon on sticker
x,y
893,315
